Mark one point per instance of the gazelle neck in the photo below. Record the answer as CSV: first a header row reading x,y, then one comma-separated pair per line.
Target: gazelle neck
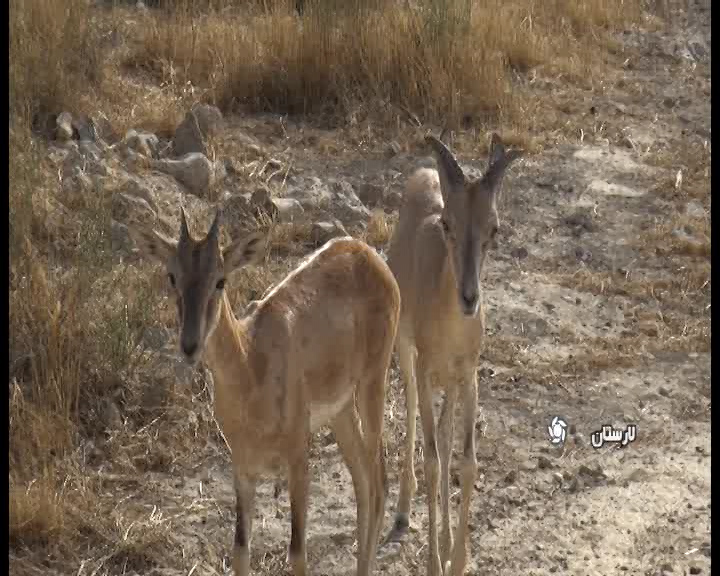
x,y
226,345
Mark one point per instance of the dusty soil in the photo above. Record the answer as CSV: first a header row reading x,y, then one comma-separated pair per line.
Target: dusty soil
x,y
583,299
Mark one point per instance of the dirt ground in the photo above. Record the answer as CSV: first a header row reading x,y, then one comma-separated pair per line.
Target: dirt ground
x,y
571,335
598,311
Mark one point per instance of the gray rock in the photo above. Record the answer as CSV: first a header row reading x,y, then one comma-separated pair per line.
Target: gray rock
x,y
145,143
120,238
188,137
695,210
209,119
194,171
64,127
129,209
346,205
288,209
371,194
104,130
393,200
323,231
85,129
134,187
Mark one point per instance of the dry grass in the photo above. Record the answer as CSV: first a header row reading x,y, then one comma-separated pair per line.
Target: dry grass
x,y
379,229
448,62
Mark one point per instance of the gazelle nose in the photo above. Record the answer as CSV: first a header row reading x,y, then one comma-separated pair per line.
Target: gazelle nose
x,y
470,300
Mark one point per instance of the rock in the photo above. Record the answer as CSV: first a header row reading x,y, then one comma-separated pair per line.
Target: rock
x,y
346,205
544,463
583,255
520,253
64,127
85,129
694,209
194,171
393,200
209,119
393,149
287,209
78,185
323,231
370,194
188,137
131,209
238,215
200,123
120,238
156,337
112,417
134,187
104,130
145,143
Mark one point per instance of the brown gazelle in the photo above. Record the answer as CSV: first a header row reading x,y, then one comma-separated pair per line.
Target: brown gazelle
x,y
446,225
315,351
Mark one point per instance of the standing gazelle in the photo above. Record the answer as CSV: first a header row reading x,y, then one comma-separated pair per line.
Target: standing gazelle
x,y
314,351
447,224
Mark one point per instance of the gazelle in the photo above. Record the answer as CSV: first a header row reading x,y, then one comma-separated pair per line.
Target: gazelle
x,y
447,224
314,351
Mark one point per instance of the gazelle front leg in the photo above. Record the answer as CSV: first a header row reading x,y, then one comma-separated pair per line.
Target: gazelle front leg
x,y
432,466
298,490
468,472
245,509
446,428
408,482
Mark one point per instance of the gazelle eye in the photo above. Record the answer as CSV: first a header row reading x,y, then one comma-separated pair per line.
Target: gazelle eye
x,y
171,277
221,284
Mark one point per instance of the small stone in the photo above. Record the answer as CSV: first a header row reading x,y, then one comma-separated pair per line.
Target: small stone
x,y
393,199
370,194
520,253
193,170
323,231
145,143
663,391
393,149
695,570
510,477
64,129
558,477
288,209
544,463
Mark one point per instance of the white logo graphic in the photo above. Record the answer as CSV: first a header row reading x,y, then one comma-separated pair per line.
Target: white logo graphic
x,y
557,430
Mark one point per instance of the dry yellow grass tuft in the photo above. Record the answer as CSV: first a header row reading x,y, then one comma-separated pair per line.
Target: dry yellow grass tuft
x,y
449,62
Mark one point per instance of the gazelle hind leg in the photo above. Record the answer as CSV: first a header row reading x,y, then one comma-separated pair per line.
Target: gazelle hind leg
x,y
468,472
346,428
371,404
408,483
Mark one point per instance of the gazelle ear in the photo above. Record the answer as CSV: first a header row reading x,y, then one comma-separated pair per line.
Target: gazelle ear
x,y
244,251
153,245
498,162
451,175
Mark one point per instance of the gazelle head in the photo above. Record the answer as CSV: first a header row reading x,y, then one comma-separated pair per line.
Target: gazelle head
x,y
469,218
197,271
